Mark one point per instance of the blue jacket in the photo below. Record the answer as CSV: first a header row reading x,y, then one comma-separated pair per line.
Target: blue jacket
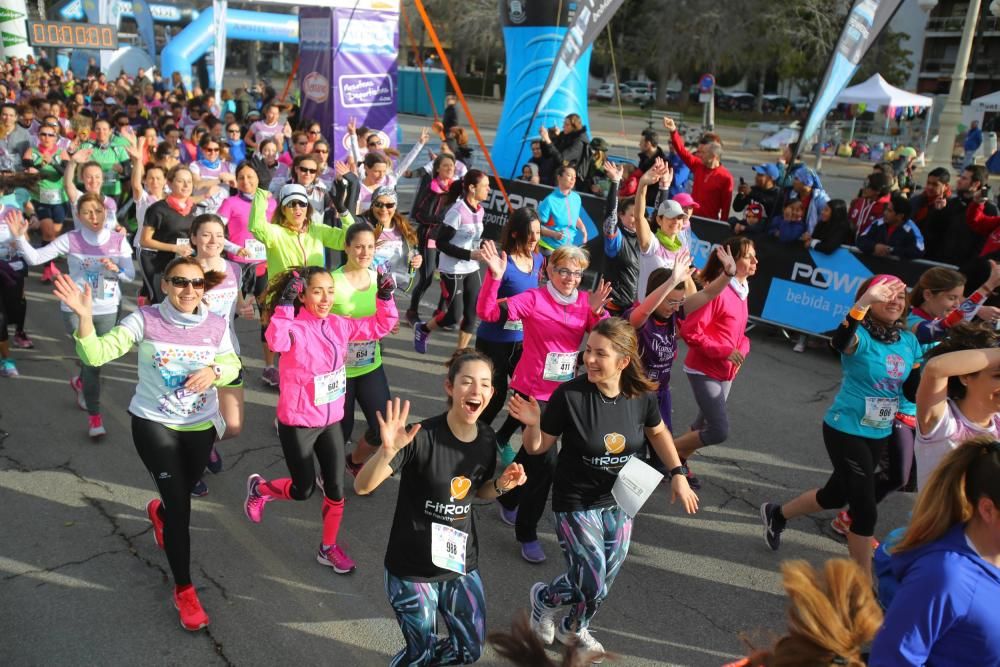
x,y
945,610
906,240
813,214
788,231
973,139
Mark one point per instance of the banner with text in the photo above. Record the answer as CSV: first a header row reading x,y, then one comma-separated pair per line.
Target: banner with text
x,y
523,193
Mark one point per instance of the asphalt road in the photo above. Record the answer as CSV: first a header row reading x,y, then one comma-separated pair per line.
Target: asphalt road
x,y
81,581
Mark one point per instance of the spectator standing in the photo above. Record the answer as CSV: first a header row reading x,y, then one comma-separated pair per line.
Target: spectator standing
x,y
807,188
973,140
546,163
763,191
958,242
933,198
867,208
570,145
713,184
449,118
894,234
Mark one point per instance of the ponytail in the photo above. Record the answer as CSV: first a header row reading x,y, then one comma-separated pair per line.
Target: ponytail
x,y
964,476
276,287
460,187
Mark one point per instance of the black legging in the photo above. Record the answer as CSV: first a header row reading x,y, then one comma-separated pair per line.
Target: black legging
x,y
13,305
425,274
459,293
504,357
298,443
175,460
150,270
371,391
853,481
531,498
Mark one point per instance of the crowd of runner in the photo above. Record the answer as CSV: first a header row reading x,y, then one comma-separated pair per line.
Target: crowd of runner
x,y
140,189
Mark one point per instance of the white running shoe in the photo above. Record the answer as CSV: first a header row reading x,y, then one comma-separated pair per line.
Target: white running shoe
x,y
543,622
584,640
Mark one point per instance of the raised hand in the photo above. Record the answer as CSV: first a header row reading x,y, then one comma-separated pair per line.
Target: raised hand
x,y
497,262
543,133
525,410
726,258
613,171
16,223
512,477
386,283
293,289
82,155
425,134
668,124
683,267
600,296
67,291
883,291
352,125
392,427
340,168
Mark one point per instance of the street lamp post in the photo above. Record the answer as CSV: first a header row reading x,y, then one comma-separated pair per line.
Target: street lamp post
x,y
941,153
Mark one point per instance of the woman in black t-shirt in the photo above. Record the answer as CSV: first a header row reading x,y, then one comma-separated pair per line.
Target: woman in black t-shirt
x,y
603,418
431,560
166,228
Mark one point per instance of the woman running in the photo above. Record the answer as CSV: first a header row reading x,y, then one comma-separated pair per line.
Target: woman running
x,y
717,349
357,285
502,341
659,316
97,257
603,418
458,240
554,318
166,229
184,353
148,187
209,171
395,240
948,567
428,210
877,353
13,305
431,561
290,239
49,197
313,346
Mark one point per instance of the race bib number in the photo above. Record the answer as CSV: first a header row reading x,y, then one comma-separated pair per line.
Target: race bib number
x,y
258,251
329,386
17,266
879,411
101,286
361,353
49,196
513,325
183,242
448,547
559,366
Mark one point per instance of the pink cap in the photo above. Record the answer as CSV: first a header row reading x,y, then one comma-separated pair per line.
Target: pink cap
x,y
685,200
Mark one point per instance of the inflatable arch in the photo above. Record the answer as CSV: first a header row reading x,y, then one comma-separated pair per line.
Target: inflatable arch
x,y
196,39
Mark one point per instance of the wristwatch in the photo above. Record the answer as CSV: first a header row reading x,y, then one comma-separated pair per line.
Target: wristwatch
x,y
217,370
679,470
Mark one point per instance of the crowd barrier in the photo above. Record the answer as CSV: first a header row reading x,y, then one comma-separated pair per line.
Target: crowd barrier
x,y
796,288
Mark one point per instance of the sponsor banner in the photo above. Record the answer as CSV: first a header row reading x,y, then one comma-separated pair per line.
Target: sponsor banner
x,y
316,64
865,21
14,29
801,289
219,9
523,193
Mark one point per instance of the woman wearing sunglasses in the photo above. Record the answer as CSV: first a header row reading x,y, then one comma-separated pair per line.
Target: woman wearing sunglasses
x,y
395,240
305,172
185,352
210,169
49,197
99,259
237,147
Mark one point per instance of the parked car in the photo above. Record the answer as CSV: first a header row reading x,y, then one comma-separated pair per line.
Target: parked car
x,y
776,103
640,96
606,91
738,100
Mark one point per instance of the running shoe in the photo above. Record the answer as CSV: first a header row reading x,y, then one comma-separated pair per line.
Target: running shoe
x,y
200,489
8,369
22,341
543,622
412,317
77,385
50,272
841,523
214,461
532,552
270,376
583,640
420,336
693,480
153,512
336,558
351,466
772,525
193,616
254,505
509,517
95,427
507,454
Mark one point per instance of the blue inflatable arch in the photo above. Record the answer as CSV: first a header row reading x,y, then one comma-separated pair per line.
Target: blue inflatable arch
x,y
197,38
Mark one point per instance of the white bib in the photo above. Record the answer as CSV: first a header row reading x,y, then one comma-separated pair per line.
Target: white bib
x,y
448,547
559,366
879,411
361,353
258,250
49,196
330,386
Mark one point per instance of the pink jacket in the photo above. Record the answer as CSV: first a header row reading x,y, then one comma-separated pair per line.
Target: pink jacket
x,y
313,347
713,332
550,328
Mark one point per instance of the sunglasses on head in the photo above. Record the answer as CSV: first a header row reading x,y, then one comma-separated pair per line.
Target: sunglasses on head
x,y
307,170
182,282
384,204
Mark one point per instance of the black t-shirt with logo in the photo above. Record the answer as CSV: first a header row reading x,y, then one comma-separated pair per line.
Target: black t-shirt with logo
x,y
440,477
599,436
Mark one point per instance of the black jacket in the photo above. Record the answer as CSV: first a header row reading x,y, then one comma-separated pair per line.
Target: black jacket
x,y
831,235
769,199
572,148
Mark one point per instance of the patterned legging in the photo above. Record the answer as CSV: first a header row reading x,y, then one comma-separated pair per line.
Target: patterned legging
x,y
462,605
595,543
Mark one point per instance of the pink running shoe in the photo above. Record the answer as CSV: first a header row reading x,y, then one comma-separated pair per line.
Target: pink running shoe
x,y
254,505
77,385
153,511
841,523
192,615
95,427
336,558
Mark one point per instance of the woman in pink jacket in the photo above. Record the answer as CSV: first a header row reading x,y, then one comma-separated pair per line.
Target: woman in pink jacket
x,y
313,344
717,348
555,319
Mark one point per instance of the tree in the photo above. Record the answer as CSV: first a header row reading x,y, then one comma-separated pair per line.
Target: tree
x,y
887,57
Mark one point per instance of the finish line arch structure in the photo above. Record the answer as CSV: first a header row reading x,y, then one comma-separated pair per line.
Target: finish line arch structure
x,y
198,37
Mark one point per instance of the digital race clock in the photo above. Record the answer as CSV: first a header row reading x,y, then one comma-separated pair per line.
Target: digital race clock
x,y
61,34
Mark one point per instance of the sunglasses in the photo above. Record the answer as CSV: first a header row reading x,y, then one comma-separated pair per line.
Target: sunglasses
x,y
181,282
295,203
383,204
569,273
374,144
209,150
46,134
307,170
316,132
234,130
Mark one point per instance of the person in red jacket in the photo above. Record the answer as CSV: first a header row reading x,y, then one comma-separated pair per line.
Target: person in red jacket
x,y
983,224
713,184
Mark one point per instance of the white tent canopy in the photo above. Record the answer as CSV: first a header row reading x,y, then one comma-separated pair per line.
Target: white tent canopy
x,y
877,92
985,103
